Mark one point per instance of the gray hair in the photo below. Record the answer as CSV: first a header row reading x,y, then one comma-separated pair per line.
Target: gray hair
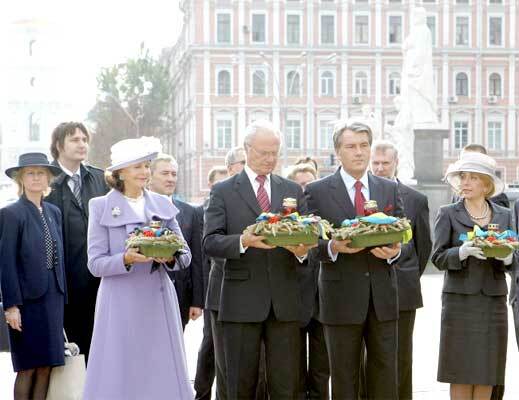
x,y
163,157
349,125
232,156
383,146
260,124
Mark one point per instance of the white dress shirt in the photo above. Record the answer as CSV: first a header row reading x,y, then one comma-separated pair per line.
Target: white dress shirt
x,y
70,182
255,184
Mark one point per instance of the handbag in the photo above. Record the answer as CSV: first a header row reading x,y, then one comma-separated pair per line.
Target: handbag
x,y
4,332
67,381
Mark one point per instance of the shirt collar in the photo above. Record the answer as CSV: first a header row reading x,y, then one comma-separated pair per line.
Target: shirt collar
x,y
252,175
349,180
69,172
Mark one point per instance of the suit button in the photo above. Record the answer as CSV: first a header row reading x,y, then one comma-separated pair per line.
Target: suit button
x,y
366,274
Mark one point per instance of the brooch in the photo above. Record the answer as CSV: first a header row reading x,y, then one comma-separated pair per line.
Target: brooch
x,y
116,211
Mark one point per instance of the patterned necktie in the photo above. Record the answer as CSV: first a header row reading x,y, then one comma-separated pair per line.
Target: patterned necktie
x,y
262,196
77,188
359,198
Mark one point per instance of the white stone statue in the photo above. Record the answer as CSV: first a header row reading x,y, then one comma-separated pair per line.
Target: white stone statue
x,y
416,104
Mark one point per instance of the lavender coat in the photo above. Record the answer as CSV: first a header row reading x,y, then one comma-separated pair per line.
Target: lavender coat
x,y
137,349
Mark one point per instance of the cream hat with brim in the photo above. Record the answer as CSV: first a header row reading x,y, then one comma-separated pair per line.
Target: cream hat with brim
x,y
133,151
474,162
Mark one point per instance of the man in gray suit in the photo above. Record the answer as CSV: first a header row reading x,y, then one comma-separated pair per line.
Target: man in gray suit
x,y
358,297
259,294
411,264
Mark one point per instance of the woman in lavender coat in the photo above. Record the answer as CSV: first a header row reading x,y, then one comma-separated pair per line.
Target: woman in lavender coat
x,y
137,349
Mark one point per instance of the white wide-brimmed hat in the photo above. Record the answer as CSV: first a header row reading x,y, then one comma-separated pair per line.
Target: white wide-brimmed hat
x,y
134,151
474,162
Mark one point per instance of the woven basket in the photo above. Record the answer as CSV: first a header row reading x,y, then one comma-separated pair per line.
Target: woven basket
x,y
376,239
294,239
497,251
159,250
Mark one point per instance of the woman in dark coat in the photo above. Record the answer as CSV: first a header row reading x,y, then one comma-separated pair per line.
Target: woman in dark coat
x,y
474,325
32,277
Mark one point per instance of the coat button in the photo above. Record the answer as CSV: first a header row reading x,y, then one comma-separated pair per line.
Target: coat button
x,y
366,274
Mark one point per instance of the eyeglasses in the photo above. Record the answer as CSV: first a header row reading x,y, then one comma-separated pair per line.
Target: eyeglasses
x,y
265,154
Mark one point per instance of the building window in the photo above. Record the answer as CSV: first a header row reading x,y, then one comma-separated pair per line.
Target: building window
x,y
259,83
326,133
394,83
223,133
395,29
293,29
431,24
495,31
327,84
462,1
293,84
32,44
223,31
34,128
327,29
462,31
293,133
224,83
258,28
361,83
462,84
461,134
361,29
495,1
494,85
495,135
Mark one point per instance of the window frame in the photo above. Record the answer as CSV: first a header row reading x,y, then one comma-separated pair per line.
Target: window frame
x,y
222,12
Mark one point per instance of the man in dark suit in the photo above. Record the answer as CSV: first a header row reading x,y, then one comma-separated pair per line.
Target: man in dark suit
x,y
70,192
411,264
515,281
188,281
358,297
259,294
314,374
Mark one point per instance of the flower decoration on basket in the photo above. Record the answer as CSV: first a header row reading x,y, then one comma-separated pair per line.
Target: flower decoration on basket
x,y
288,228
156,241
493,242
374,229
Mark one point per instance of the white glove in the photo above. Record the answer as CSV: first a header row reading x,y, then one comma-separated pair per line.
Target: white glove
x,y
508,259
467,249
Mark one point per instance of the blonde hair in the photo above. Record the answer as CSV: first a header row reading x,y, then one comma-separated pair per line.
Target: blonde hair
x,y
298,168
488,182
18,179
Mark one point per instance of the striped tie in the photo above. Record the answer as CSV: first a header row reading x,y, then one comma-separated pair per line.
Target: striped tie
x,y
77,188
359,198
262,196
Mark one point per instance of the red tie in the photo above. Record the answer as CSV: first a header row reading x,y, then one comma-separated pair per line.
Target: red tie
x,y
262,196
359,198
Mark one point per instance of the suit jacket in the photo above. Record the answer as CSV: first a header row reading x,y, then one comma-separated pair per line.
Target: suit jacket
x,y
345,286
23,261
257,280
471,275
82,285
308,274
189,281
415,254
515,273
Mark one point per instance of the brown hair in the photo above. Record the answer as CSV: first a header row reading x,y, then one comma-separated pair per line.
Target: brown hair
x,y
18,177
298,168
475,147
211,176
113,180
61,132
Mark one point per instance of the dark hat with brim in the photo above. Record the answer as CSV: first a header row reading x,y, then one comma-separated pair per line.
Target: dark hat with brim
x,y
32,160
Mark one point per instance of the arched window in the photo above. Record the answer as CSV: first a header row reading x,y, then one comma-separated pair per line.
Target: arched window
x,y
494,84
258,83
293,84
224,83
394,83
462,84
34,127
361,83
327,84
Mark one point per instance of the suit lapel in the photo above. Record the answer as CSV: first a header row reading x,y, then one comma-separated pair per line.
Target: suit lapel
x,y
245,190
276,193
340,195
376,192
462,216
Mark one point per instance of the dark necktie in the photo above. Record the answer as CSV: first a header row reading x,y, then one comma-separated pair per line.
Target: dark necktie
x,y
359,198
77,188
262,196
